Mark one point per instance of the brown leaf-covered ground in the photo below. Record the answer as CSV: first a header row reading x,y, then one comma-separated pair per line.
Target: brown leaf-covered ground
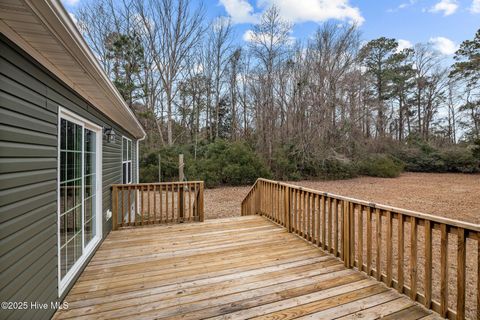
x,y
456,196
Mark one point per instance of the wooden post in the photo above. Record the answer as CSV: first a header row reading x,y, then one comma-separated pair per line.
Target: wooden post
x,y
181,177
114,207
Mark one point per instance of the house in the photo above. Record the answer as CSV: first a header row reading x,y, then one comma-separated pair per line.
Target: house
x,y
66,136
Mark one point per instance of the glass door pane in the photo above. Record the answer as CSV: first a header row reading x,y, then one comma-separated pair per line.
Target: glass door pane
x,y
70,219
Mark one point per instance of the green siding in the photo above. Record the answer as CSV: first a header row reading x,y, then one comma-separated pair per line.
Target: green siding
x,y
29,100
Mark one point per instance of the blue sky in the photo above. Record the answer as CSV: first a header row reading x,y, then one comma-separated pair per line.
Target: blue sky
x,y
444,23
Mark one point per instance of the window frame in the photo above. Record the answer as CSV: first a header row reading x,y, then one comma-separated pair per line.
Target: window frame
x,y
128,161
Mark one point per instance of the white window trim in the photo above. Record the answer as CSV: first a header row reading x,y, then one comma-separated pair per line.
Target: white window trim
x,y
130,172
87,251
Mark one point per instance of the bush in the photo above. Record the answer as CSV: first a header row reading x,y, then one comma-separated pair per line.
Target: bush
x,y
217,163
380,165
284,165
460,160
421,157
334,168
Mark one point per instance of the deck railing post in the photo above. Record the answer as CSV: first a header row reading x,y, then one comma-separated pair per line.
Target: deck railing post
x,y
114,207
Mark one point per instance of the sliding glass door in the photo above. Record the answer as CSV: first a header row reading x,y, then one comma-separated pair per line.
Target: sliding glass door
x,y
78,215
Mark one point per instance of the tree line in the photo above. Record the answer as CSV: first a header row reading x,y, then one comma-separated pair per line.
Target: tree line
x,y
191,81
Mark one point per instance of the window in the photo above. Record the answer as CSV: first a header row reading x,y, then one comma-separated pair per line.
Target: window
x,y
78,213
126,160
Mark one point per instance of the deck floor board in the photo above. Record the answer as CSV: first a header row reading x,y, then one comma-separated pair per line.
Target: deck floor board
x,y
234,268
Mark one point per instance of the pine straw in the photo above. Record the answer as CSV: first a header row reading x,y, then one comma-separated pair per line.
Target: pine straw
x,y
455,196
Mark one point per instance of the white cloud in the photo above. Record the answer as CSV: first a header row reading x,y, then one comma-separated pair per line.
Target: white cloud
x,y
444,45
407,4
315,10
448,7
475,8
71,3
403,44
241,11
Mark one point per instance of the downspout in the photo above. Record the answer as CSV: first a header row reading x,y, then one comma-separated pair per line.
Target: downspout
x,y
138,159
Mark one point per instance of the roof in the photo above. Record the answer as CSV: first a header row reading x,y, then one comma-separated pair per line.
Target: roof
x,y
45,30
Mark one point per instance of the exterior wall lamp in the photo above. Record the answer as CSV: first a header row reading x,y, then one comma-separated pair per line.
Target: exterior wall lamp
x,y
109,134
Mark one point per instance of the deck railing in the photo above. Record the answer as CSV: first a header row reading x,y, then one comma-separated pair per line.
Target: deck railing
x,y
156,203
414,253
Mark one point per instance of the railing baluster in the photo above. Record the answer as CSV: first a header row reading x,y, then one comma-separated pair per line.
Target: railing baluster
x,y
319,209
330,225
352,234
149,200
201,205
360,238
190,211
141,204
309,212
167,193
428,264
179,203
313,210
443,270
123,207
129,208
379,245
324,224
413,258
154,204
369,241
304,215
160,204
114,208
297,214
389,249
346,230
461,269
343,237
287,209
173,203
335,222
401,250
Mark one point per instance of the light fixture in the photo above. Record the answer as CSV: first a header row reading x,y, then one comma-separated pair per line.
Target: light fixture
x,y
110,135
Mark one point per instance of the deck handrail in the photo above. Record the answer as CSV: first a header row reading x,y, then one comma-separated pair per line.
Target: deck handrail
x,y
157,203
342,225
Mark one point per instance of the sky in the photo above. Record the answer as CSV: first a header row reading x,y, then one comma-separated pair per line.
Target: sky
x,y
443,23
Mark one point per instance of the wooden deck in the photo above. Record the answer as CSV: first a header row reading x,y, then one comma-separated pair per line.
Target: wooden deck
x,y
236,268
